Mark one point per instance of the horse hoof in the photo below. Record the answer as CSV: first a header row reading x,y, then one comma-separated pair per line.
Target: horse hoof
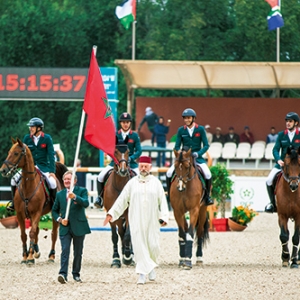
x,y
285,264
181,263
116,264
187,265
294,266
199,260
30,262
24,262
50,260
37,254
127,260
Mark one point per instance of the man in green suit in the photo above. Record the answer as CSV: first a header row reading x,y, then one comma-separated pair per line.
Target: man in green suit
x,y
41,147
290,137
135,151
74,228
193,136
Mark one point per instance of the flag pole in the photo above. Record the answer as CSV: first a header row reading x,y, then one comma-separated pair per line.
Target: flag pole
x,y
133,40
278,44
77,151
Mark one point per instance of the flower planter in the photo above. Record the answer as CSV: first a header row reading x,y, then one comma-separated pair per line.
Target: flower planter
x,y
27,223
10,222
220,224
235,226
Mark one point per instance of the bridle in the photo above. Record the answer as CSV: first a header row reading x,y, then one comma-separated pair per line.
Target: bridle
x,y
293,181
183,179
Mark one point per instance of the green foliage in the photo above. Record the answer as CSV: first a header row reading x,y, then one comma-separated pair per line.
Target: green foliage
x,y
46,218
243,214
4,213
221,186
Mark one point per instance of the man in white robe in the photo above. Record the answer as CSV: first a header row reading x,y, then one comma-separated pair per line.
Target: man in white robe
x,y
148,210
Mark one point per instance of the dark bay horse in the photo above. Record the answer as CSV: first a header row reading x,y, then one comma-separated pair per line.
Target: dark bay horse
x,y
31,199
288,206
119,176
186,193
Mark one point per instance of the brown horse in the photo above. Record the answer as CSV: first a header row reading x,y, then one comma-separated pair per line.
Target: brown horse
x,y
288,205
186,193
113,187
31,199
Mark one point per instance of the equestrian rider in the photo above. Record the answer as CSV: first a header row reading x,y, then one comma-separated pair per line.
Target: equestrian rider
x,y
287,138
135,151
41,147
192,135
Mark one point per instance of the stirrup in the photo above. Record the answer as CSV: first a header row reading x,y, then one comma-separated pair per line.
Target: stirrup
x,y
209,201
270,208
10,207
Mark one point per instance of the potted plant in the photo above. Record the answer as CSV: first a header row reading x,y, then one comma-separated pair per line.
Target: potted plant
x,y
241,216
221,191
8,218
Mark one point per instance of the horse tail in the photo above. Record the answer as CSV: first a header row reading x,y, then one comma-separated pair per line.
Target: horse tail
x,y
61,169
204,233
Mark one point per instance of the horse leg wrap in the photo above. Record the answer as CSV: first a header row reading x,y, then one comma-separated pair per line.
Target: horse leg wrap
x,y
188,249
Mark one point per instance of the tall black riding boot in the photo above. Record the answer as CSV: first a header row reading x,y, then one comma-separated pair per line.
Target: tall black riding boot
x,y
271,207
99,201
168,181
208,200
11,205
53,193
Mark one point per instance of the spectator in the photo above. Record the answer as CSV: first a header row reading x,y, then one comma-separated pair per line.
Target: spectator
x,y
161,131
272,136
247,136
80,175
218,137
231,136
151,119
208,134
145,196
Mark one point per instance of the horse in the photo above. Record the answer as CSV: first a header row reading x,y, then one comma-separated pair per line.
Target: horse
x,y
288,206
114,185
186,194
31,198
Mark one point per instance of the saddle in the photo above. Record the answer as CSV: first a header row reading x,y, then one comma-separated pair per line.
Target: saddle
x,y
45,186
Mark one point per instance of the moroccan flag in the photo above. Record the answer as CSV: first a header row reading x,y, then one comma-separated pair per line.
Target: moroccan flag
x,y
100,128
126,12
274,18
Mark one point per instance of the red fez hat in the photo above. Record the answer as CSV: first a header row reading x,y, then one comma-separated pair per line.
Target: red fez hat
x,y
145,159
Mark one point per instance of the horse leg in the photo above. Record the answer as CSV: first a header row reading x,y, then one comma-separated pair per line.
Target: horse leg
x,y
37,253
294,264
202,236
127,248
51,256
189,248
284,238
181,242
21,221
33,246
116,263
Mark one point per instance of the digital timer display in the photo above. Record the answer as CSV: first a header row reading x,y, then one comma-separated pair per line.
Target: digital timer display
x,y
42,83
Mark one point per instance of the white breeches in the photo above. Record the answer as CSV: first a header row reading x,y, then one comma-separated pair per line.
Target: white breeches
x,y
271,176
204,168
50,180
103,173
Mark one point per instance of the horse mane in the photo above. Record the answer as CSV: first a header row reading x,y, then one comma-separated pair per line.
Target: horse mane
x,y
293,154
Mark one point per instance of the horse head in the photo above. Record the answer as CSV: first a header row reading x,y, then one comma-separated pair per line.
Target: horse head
x,y
122,155
183,167
291,168
15,158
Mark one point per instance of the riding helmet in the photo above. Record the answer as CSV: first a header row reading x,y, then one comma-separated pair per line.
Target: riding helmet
x,y
188,112
292,116
36,122
125,117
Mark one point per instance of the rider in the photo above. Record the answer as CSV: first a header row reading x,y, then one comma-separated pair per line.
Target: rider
x,y
135,151
41,147
285,139
192,135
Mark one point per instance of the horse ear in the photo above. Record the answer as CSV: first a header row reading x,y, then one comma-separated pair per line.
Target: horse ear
x,y
20,142
13,140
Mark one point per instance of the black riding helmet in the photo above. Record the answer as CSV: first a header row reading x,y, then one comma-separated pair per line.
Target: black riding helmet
x,y
188,112
292,116
36,122
125,117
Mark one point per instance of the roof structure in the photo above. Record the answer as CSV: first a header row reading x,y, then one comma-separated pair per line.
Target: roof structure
x,y
151,74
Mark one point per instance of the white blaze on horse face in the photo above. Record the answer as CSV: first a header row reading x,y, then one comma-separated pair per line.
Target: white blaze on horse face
x,y
123,163
180,185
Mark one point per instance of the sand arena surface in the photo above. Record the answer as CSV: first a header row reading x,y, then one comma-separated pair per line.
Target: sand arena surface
x,y
237,265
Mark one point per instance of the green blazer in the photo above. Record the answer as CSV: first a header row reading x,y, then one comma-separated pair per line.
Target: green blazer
x,y
42,153
78,223
134,146
198,142
283,143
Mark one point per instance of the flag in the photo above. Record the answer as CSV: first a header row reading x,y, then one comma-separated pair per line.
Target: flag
x,y
126,12
100,130
274,18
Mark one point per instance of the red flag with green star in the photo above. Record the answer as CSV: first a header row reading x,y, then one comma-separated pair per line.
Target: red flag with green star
x,y
100,130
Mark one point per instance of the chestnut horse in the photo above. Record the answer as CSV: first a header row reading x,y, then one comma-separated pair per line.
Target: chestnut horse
x,y
114,185
186,193
31,199
288,205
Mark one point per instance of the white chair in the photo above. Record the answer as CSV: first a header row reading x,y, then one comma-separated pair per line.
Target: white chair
x,y
243,151
170,155
269,153
215,151
228,152
259,143
257,152
148,143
